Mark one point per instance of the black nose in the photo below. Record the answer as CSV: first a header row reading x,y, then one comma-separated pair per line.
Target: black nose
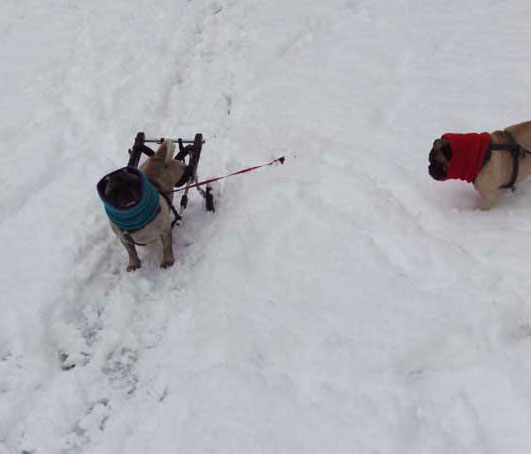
x,y
437,172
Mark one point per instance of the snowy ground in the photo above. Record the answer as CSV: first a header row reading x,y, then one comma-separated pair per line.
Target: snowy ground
x,y
343,303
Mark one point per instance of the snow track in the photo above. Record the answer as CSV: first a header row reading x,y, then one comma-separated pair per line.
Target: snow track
x,y
341,303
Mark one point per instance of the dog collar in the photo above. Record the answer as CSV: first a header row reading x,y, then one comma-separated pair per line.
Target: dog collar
x,y
139,215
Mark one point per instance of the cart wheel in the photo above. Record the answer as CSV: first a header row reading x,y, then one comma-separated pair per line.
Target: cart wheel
x,y
184,201
136,152
198,143
196,154
209,200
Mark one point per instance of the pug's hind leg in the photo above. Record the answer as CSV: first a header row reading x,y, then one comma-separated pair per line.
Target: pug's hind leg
x,y
167,250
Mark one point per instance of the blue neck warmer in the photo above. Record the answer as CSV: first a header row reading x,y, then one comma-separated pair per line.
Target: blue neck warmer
x,y
137,216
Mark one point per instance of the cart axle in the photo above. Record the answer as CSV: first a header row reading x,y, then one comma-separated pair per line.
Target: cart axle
x,y
162,139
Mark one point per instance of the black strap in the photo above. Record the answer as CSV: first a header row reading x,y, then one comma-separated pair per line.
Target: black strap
x,y
516,150
187,174
172,208
505,146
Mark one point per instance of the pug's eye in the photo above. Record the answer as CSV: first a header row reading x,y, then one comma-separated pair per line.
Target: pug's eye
x,y
446,151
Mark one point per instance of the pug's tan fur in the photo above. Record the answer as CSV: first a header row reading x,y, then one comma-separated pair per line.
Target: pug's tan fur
x,y
164,172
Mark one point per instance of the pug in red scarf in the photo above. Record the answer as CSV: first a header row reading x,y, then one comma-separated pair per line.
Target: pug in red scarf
x,y
491,161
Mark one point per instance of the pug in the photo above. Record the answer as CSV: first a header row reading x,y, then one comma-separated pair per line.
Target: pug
x,y
134,196
491,161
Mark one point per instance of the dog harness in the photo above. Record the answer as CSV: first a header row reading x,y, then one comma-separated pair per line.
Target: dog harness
x,y
137,216
516,151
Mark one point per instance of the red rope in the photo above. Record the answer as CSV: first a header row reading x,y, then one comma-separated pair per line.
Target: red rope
x,y
249,169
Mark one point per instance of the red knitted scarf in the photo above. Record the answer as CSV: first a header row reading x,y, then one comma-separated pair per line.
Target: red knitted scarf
x,y
468,155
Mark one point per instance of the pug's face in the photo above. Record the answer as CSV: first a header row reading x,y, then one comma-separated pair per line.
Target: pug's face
x,y
440,156
123,190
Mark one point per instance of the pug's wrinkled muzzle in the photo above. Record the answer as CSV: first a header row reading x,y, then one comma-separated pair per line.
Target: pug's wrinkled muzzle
x,y
438,172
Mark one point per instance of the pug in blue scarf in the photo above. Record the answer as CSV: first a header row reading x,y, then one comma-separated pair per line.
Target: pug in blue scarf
x,y
138,212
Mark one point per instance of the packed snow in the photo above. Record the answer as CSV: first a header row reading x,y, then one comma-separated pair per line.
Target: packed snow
x,y
342,303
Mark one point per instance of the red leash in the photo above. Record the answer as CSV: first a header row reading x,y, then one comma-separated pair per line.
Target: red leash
x,y
250,169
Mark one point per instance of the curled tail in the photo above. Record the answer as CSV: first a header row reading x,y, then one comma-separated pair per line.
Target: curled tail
x,y
166,151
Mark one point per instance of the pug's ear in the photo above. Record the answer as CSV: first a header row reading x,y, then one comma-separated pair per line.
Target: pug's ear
x,y
446,148
441,141
107,186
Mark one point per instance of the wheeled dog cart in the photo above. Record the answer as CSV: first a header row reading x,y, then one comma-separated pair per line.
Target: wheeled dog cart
x,y
189,153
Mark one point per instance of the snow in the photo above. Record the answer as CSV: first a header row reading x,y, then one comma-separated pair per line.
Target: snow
x,y
343,303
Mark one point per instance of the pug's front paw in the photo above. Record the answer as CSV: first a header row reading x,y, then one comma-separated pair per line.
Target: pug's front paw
x,y
167,263
133,266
